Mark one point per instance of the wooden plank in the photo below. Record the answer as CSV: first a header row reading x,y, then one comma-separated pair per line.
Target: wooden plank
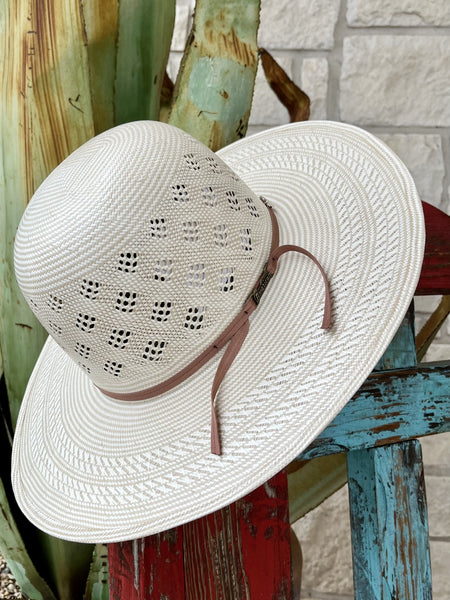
x,y
241,551
401,351
390,407
150,567
435,275
389,523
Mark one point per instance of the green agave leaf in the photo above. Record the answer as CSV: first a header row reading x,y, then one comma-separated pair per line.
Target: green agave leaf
x,y
97,587
13,549
66,565
214,88
128,47
101,21
143,44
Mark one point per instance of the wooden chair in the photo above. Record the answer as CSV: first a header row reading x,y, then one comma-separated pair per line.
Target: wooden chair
x,y
244,552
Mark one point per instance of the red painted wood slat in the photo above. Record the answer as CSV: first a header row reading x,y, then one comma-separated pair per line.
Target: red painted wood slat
x,y
150,567
435,275
241,551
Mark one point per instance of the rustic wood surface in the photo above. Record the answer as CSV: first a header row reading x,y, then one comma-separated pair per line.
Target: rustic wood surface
x,y
240,552
388,511
243,551
435,275
390,407
391,557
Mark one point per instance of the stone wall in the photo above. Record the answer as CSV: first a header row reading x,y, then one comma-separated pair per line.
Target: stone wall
x,y
383,65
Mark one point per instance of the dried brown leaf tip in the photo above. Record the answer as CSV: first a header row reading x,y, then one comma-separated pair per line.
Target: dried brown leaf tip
x,y
289,94
167,90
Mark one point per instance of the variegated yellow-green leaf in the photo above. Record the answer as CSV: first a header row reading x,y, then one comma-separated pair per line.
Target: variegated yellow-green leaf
x,y
214,88
311,482
45,114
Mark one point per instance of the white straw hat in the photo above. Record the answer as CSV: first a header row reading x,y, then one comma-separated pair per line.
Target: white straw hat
x,y
138,252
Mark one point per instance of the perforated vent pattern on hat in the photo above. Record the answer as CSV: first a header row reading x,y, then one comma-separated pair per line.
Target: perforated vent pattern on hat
x,y
144,247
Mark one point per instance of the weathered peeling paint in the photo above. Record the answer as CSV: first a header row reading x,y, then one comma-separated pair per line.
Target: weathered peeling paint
x,y
213,85
391,555
420,406
213,92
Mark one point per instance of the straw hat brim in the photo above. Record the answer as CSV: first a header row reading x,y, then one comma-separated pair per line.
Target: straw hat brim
x,y
91,469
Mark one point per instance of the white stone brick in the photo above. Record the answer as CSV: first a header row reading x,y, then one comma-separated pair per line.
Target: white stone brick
x,y
396,80
438,351
182,24
426,304
438,494
315,84
436,450
252,129
324,535
266,108
173,65
299,24
422,154
440,561
402,13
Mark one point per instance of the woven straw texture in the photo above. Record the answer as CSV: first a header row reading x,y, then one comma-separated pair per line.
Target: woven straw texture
x,y
89,468
137,251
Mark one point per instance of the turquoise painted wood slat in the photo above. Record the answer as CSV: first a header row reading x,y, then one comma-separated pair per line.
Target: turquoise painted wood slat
x,y
401,352
390,407
391,557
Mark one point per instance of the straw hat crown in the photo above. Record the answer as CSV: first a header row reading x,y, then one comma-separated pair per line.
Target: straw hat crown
x,y
144,245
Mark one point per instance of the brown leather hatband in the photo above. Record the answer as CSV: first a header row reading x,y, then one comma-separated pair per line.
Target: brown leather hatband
x,y
235,334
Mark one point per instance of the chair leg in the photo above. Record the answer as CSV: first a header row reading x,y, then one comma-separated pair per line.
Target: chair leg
x,y
240,552
388,512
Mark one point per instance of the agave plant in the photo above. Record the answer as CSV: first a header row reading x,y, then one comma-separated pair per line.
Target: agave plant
x,y
71,71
